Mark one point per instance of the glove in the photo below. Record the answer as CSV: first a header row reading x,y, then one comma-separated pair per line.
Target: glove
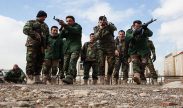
x,y
144,26
62,23
153,57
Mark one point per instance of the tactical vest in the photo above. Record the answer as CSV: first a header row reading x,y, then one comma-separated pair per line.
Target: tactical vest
x,y
91,51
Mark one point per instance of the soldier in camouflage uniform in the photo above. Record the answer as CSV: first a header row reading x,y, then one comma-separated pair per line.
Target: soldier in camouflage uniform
x,y
72,32
136,39
89,58
53,54
16,75
121,57
150,64
37,32
104,34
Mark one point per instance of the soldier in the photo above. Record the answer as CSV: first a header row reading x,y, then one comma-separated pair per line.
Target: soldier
x,y
104,34
121,59
89,58
37,32
53,54
72,32
150,64
15,75
136,39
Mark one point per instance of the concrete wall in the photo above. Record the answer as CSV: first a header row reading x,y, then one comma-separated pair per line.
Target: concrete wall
x,y
179,64
173,65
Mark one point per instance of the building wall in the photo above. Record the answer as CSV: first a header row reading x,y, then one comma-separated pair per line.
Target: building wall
x,y
173,65
179,64
169,66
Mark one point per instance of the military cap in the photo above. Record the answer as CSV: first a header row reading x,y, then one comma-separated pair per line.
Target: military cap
x,y
41,13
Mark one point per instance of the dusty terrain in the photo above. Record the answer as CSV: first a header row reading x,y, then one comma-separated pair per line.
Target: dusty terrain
x,y
90,96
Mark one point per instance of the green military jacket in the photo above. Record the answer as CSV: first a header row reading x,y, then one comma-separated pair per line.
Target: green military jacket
x,y
89,51
138,45
105,37
73,35
54,49
17,74
32,28
151,46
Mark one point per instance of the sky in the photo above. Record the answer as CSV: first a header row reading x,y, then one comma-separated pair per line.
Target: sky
x,y
167,30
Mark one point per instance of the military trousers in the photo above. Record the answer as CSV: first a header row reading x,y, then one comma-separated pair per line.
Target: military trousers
x,y
87,66
61,71
70,62
139,64
50,67
119,61
151,68
34,58
102,56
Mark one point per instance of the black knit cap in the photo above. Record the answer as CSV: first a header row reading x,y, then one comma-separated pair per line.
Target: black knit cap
x,y
41,13
102,18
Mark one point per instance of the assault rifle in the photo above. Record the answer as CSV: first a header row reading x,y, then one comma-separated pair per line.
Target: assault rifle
x,y
143,27
58,20
147,23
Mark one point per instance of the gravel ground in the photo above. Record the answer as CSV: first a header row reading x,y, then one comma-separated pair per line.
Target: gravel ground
x,y
89,96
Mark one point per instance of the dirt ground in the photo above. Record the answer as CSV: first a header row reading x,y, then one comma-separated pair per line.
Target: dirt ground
x,y
90,96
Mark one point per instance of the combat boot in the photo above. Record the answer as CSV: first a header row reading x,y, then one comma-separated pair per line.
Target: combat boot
x,y
108,80
125,81
68,79
115,81
46,79
102,80
62,76
37,79
136,78
94,82
30,79
85,82
144,82
155,82
54,80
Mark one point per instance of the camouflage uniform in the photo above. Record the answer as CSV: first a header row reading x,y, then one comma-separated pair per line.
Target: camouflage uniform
x,y
150,63
72,48
53,53
138,49
89,58
106,48
15,76
37,33
121,59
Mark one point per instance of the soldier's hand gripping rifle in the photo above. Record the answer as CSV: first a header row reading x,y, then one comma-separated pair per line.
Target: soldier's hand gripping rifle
x,y
140,31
